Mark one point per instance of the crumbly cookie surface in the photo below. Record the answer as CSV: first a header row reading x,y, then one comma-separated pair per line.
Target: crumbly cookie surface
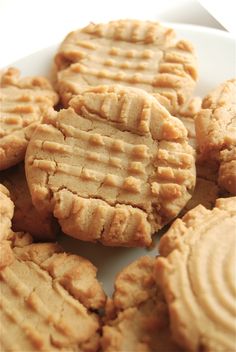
x,y
187,115
198,277
23,101
227,170
114,167
26,218
137,316
47,300
129,52
206,190
216,132
6,214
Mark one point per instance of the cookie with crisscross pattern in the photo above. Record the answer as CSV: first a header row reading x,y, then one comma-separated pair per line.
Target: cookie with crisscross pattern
x,y
23,102
114,167
140,54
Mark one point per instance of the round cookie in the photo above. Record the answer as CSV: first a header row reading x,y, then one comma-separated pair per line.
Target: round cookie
x,y
26,218
140,54
198,277
48,300
23,102
216,132
115,167
137,316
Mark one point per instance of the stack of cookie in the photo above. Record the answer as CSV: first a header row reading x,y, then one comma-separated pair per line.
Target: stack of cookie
x,y
128,150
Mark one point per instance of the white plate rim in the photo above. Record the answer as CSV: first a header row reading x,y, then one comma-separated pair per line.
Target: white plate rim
x,y
174,25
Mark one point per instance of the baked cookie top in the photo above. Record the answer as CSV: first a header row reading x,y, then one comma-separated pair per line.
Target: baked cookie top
x,y
216,132
198,277
137,316
215,123
48,300
23,102
136,53
114,167
26,218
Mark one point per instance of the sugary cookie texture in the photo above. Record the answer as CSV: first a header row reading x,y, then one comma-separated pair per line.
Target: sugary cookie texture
x,y
26,218
129,52
216,132
114,167
137,317
198,277
22,104
48,300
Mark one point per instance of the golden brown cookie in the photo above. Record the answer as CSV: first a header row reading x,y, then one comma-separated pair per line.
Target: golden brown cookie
x,y
216,132
6,214
48,300
22,104
140,54
26,218
114,167
137,316
198,277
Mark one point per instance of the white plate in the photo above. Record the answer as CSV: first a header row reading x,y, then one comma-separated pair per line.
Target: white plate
x,y
216,52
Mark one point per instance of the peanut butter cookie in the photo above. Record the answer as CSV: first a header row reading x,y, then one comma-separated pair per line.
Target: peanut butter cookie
x,y
23,102
137,316
41,226
216,132
198,277
48,300
115,167
140,54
